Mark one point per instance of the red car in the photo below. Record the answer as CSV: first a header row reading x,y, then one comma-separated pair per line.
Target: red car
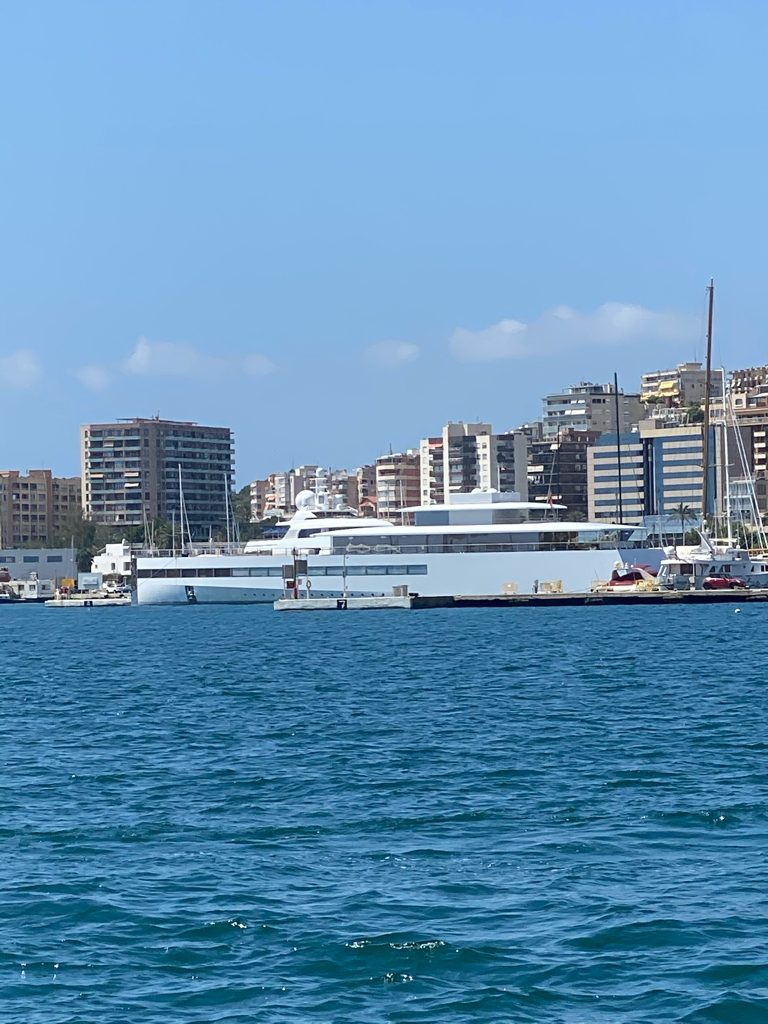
x,y
724,583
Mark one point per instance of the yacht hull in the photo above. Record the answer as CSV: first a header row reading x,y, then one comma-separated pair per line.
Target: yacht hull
x,y
255,579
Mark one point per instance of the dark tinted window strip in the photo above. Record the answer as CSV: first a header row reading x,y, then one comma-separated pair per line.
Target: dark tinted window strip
x,y
277,571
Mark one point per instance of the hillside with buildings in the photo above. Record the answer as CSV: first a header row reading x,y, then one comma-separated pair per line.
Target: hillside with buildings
x,y
635,457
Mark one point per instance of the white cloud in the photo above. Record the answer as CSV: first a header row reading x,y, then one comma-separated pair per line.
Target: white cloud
x,y
613,323
96,378
20,369
388,354
502,341
258,366
165,359
170,359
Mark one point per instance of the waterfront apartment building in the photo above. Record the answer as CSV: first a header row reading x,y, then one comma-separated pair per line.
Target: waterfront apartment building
x,y
749,400
260,489
365,477
591,407
287,485
35,506
277,495
132,470
679,387
398,483
557,472
468,456
661,469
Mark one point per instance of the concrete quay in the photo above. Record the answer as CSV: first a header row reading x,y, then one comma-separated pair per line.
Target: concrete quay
x,y
333,604
413,602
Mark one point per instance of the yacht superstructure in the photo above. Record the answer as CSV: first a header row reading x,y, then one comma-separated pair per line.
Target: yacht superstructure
x,y
486,542
686,567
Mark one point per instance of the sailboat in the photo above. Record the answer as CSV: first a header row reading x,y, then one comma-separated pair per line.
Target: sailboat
x,y
717,562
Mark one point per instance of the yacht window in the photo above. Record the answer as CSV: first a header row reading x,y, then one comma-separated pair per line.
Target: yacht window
x,y
367,570
509,515
438,517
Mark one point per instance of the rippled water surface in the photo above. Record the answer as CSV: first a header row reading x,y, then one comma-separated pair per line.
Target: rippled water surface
x,y
214,814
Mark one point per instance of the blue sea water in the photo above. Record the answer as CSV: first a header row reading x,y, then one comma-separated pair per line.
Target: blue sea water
x,y
227,814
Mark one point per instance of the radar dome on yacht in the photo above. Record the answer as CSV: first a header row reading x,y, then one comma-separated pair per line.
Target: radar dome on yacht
x,y
484,490
305,499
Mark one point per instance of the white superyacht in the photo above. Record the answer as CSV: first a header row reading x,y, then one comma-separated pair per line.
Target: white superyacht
x,y
482,543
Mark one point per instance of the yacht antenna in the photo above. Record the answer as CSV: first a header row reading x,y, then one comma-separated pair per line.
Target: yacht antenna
x,y
618,444
707,387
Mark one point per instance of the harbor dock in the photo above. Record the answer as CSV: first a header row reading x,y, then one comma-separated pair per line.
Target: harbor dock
x,y
415,602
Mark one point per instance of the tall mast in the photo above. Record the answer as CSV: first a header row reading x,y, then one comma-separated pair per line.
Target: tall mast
x,y
707,389
618,444
183,515
726,458
226,500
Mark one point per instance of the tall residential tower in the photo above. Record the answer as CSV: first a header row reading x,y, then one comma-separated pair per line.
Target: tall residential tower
x,y
132,469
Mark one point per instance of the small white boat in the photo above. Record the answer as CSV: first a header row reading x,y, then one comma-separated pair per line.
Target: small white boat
x,y
628,579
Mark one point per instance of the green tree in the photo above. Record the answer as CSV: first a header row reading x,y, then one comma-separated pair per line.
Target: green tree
x,y
695,413
684,514
241,503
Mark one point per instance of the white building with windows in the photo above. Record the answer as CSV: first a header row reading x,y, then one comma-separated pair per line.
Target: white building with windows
x,y
468,456
48,563
114,560
587,406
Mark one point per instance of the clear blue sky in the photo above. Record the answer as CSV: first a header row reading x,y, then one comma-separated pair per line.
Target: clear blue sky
x,y
315,213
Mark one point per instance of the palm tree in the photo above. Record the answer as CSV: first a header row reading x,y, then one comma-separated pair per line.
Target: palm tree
x,y
685,514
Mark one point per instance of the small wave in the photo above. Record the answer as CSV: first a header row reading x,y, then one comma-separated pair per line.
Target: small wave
x,y
640,934
427,944
730,1010
408,945
214,929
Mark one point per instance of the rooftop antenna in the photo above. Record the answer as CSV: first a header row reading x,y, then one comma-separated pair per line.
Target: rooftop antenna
x,y
707,389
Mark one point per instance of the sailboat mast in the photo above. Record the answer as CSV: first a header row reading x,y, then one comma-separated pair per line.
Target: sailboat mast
x,y
226,499
618,444
726,459
707,390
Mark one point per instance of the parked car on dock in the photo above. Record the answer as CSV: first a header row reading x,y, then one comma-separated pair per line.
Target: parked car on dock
x,y
724,583
113,587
